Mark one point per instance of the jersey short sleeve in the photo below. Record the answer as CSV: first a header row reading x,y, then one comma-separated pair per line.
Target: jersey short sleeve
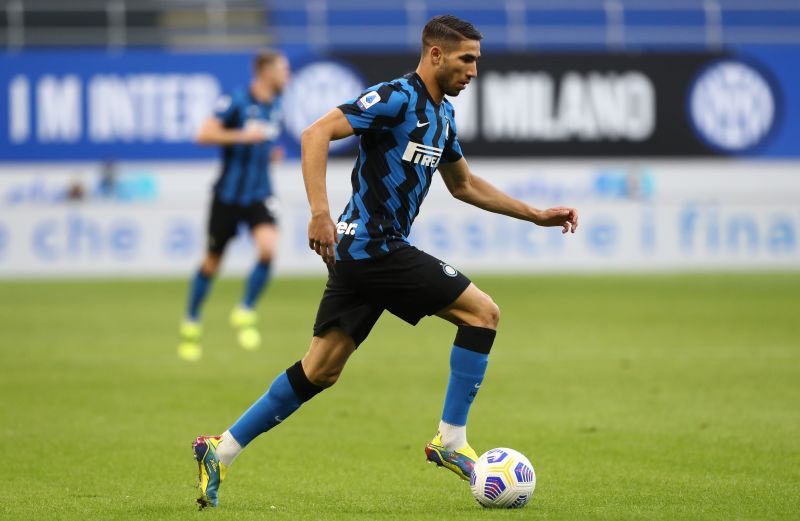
x,y
452,148
377,109
225,108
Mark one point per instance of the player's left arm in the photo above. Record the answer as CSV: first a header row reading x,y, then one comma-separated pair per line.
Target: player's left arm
x,y
467,187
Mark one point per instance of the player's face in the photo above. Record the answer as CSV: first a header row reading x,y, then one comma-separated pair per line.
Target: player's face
x,y
277,74
458,66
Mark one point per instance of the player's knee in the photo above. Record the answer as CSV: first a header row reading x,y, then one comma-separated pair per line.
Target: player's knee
x,y
265,257
488,314
492,314
324,376
210,265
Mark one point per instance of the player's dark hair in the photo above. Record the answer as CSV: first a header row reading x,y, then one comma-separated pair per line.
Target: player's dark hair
x,y
265,58
447,30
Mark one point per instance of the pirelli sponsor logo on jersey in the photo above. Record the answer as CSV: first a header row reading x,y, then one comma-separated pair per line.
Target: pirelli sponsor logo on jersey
x,y
422,154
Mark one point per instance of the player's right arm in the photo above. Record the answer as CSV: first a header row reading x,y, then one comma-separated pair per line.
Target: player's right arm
x,y
314,144
213,132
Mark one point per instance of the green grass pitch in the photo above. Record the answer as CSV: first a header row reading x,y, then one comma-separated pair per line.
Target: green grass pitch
x,y
661,397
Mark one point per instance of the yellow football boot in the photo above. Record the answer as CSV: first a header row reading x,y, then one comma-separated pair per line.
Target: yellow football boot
x,y
460,461
211,471
189,348
244,321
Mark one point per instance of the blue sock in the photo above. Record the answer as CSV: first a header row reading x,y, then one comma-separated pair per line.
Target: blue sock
x,y
197,294
272,408
255,284
468,360
286,394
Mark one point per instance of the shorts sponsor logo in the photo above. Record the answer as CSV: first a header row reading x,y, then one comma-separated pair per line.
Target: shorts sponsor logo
x,y
422,154
449,271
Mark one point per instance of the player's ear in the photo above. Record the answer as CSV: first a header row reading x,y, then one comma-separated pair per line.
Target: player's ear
x,y
436,55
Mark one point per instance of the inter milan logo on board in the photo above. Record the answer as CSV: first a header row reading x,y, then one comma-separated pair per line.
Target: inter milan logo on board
x,y
422,154
732,105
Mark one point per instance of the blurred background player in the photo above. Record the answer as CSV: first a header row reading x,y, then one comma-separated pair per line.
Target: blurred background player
x,y
245,124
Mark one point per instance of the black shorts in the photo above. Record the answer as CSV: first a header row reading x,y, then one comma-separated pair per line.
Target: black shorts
x,y
408,282
223,223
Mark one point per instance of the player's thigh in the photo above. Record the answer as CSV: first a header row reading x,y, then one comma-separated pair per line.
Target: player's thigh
x,y
473,308
262,220
342,307
412,284
327,356
223,222
265,237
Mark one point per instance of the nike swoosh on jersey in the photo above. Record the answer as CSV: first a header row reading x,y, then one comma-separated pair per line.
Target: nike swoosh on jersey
x,y
420,124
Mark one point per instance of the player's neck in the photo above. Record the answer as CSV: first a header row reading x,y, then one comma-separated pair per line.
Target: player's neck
x,y
262,93
436,93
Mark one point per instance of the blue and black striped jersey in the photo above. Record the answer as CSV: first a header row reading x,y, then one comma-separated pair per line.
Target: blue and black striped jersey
x,y
404,136
244,179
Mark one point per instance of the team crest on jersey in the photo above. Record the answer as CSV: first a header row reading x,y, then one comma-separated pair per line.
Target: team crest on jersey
x,y
422,154
368,100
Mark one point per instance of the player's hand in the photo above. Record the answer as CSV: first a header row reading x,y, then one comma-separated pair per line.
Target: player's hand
x,y
322,237
252,134
277,155
567,218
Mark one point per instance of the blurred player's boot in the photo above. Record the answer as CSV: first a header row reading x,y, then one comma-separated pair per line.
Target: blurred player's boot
x,y
460,461
244,321
211,471
189,349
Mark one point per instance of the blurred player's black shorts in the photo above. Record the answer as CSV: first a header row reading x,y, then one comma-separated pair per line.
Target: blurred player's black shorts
x,y
407,282
224,220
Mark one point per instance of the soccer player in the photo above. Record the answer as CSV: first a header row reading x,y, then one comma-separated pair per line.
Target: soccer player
x,y
245,125
407,131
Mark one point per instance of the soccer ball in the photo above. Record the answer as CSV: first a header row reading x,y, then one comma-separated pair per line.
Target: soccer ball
x,y
503,478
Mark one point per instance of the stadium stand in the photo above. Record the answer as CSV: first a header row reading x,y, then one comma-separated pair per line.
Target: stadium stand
x,y
340,25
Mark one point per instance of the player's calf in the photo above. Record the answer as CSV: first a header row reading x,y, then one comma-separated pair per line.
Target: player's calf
x,y
327,356
215,454
469,358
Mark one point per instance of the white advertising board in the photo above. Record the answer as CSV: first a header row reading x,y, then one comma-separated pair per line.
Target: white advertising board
x,y
62,219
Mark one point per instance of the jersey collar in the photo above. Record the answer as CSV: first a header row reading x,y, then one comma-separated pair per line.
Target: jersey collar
x,y
253,99
421,86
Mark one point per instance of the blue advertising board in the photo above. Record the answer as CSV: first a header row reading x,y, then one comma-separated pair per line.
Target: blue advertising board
x,y
147,104
99,105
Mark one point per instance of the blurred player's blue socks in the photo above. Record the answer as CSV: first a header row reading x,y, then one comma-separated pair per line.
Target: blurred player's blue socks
x,y
255,284
468,360
286,394
197,294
